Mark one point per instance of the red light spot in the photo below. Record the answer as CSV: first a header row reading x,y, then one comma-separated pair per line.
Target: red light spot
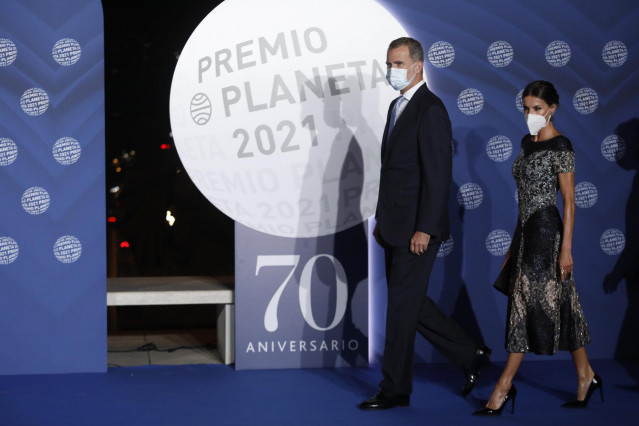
x,y
125,244
165,146
112,219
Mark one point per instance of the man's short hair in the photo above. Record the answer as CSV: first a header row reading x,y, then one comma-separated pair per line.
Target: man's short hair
x,y
415,49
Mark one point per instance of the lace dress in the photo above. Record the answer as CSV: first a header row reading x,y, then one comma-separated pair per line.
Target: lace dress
x,y
544,313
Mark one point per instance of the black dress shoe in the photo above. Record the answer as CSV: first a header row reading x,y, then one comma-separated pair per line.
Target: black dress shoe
x,y
482,356
380,401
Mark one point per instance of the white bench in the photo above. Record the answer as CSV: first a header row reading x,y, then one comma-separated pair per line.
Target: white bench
x,y
138,291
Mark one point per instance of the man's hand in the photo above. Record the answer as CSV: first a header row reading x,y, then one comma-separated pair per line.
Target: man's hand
x,y
419,242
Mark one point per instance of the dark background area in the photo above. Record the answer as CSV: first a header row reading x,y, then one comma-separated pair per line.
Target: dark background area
x,y
144,175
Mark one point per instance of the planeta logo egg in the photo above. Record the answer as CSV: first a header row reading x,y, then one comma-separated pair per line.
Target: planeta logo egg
x,y
200,109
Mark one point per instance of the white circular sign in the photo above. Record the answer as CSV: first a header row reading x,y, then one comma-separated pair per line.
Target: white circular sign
x,y
67,249
499,148
8,250
500,54
612,242
498,242
279,121
66,51
8,52
470,196
586,195
614,53
558,53
470,101
8,151
441,54
66,151
35,200
613,148
585,100
34,101
446,248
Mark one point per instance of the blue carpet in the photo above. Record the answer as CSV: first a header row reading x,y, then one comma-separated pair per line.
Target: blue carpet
x,y
219,395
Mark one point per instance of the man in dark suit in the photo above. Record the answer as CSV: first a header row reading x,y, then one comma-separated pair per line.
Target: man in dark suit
x,y
412,222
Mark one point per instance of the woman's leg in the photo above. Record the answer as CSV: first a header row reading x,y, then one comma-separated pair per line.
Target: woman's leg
x,y
585,373
505,380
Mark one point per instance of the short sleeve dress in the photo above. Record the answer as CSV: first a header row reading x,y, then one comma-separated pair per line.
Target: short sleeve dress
x,y
544,313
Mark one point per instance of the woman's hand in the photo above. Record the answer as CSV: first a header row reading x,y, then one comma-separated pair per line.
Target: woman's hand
x,y
567,188
565,263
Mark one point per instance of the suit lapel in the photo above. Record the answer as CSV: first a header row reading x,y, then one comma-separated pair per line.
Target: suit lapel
x,y
403,119
385,137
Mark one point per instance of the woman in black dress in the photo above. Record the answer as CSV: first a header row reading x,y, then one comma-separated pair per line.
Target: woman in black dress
x,y
544,313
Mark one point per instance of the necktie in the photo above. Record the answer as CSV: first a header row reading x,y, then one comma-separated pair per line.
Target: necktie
x,y
396,113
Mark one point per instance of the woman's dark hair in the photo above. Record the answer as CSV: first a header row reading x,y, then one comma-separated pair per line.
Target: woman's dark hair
x,y
543,90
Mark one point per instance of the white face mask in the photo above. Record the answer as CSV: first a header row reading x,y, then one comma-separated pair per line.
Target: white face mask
x,y
397,77
537,122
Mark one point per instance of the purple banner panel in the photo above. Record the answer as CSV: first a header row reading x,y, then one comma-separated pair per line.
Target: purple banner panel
x,y
301,302
52,203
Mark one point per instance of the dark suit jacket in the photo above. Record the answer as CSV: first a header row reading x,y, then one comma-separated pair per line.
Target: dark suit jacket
x,y
416,172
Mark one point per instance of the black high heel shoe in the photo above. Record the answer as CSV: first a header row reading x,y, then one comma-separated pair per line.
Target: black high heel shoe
x,y
512,393
594,385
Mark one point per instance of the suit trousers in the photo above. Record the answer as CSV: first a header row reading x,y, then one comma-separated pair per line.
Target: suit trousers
x,y
410,310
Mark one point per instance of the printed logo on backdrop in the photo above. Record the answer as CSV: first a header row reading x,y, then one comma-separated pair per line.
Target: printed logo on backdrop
x,y
66,151
271,322
499,148
613,148
201,109
614,53
500,54
470,196
8,250
519,103
498,242
35,200
586,195
8,52
34,101
278,122
67,249
441,54
66,52
446,248
8,151
558,53
585,100
303,309
612,242
470,101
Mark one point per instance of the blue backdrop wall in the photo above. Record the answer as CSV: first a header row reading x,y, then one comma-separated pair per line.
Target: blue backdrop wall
x,y
480,57
52,202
